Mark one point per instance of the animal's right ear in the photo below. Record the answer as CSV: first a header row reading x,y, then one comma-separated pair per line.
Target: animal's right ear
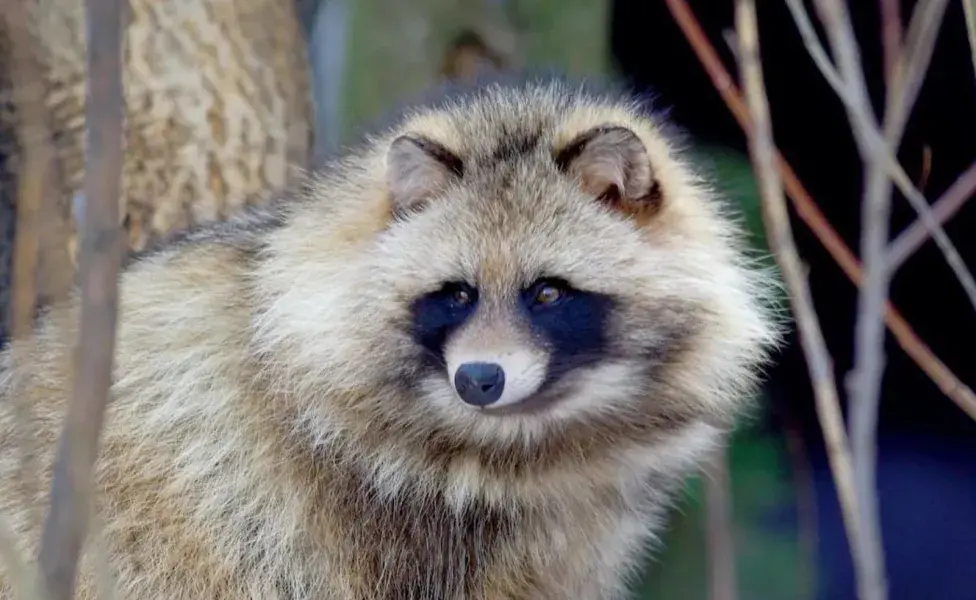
x,y
418,168
612,164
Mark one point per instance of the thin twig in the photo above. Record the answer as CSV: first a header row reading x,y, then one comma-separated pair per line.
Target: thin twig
x,y
921,34
923,177
865,380
36,185
721,541
943,209
891,34
923,31
969,8
810,213
33,173
101,256
780,235
806,506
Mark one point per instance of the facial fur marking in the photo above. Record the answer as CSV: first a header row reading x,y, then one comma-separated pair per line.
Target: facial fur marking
x,y
489,364
438,314
514,145
573,327
441,154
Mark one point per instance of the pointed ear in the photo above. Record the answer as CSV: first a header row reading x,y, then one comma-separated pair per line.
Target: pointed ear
x,y
418,168
612,164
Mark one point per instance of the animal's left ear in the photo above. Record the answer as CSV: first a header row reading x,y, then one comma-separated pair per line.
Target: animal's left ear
x,y
417,169
612,164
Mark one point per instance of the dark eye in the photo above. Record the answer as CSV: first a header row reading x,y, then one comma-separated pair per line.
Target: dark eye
x,y
548,293
461,297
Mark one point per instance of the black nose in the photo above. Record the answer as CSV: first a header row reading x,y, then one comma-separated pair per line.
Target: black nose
x,y
479,383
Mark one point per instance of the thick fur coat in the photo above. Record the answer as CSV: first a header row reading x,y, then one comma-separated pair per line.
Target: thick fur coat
x,y
288,419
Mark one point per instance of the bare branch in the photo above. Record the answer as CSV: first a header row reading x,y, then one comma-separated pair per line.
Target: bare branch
x,y
942,210
865,380
101,256
923,177
34,171
923,31
877,154
933,228
922,36
969,8
840,32
810,213
36,194
891,35
721,541
806,503
781,242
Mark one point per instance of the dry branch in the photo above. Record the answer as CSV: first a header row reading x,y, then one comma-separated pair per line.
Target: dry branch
x,y
810,213
891,38
900,99
36,197
34,172
969,8
943,209
721,540
806,504
780,235
865,380
101,256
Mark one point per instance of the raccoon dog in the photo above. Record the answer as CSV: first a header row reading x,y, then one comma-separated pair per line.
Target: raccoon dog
x,y
471,360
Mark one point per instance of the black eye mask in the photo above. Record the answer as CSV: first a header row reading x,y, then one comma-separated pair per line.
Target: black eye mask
x,y
438,314
569,322
573,327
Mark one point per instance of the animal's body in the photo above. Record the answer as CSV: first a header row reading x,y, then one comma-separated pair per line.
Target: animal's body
x,y
475,358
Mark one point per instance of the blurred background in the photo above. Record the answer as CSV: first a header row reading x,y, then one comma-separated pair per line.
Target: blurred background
x,y
315,74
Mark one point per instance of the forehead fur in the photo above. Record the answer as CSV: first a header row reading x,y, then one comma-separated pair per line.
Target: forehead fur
x,y
500,125
514,214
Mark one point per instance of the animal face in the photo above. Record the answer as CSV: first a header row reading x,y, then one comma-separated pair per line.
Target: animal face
x,y
552,271
532,267
526,296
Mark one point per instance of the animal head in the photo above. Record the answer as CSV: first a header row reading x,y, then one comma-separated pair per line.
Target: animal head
x,y
531,268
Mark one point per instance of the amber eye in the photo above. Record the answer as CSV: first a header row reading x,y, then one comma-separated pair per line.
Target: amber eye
x,y
548,294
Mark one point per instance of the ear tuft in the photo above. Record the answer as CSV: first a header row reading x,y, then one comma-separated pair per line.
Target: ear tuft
x,y
418,168
612,164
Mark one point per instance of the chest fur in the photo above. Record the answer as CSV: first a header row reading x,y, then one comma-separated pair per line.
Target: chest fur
x,y
415,546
